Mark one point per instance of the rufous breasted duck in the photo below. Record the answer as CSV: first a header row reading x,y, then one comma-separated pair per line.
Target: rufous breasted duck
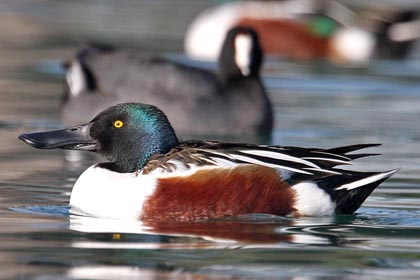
x,y
152,176
307,30
99,77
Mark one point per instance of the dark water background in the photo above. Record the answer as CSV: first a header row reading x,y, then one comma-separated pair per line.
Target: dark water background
x,y
315,105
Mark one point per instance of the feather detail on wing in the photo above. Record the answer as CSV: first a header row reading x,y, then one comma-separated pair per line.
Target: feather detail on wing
x,y
303,163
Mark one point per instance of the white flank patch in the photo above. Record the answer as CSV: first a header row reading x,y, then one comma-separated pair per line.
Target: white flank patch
x,y
353,44
243,48
366,181
103,193
75,79
312,201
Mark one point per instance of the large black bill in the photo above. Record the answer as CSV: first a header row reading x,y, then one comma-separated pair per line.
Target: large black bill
x,y
75,138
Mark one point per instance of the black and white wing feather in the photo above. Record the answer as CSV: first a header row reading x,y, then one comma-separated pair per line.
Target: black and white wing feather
x,y
299,163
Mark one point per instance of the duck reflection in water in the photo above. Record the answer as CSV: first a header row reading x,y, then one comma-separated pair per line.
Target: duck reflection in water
x,y
247,231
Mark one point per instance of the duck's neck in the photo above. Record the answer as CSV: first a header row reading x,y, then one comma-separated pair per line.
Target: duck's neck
x,y
135,157
158,144
229,70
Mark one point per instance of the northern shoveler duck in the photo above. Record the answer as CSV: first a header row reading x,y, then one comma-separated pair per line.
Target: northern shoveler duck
x,y
152,176
307,30
99,77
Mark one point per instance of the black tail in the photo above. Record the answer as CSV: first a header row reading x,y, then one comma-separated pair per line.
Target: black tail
x,y
343,152
351,148
350,190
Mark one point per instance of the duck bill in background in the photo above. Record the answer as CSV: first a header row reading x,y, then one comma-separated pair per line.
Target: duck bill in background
x,y
74,138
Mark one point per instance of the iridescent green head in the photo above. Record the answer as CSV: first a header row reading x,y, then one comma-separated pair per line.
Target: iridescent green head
x,y
127,134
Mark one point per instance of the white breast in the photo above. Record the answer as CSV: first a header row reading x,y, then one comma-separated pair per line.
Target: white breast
x,y
104,193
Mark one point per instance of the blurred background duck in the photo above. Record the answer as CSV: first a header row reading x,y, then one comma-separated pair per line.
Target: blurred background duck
x,y
307,30
231,101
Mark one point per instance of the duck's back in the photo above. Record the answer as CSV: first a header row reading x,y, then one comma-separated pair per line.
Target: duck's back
x,y
129,75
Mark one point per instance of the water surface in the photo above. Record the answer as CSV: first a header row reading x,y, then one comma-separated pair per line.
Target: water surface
x,y
315,105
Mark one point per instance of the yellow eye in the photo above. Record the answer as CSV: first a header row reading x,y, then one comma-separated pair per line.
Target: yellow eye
x,y
118,124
